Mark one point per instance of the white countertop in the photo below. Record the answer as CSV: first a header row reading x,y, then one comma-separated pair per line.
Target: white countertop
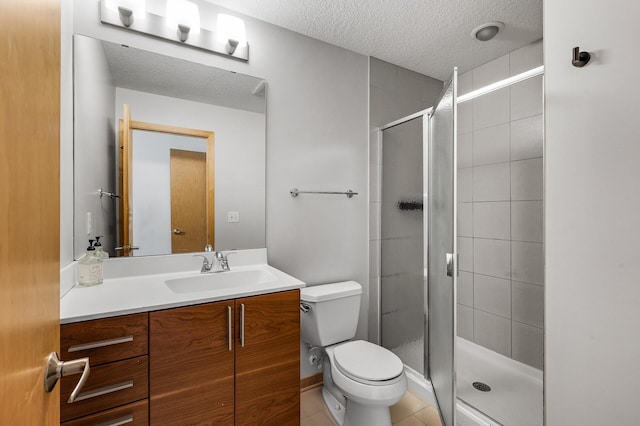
x,y
121,295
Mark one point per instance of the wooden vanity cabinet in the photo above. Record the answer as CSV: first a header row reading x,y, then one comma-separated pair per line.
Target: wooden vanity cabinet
x,y
231,362
118,384
234,362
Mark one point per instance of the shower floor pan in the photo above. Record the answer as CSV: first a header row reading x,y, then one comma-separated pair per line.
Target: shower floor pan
x,y
515,397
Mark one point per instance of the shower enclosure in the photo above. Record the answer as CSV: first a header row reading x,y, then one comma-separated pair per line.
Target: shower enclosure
x,y
418,177
461,249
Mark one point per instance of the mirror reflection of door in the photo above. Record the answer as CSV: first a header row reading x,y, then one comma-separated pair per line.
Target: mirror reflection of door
x,y
188,200
167,182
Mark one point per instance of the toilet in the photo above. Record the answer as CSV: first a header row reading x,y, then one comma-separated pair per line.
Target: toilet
x,y
361,379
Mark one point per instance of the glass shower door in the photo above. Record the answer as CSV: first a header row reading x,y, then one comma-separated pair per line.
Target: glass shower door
x,y
402,289
441,265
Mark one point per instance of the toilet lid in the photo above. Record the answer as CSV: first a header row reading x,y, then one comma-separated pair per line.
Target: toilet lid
x,y
366,361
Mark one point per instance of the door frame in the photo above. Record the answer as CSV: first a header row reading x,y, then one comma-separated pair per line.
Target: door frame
x,y
127,126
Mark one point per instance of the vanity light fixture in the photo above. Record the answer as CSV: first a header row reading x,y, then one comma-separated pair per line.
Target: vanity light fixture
x,y
181,24
127,10
185,16
231,29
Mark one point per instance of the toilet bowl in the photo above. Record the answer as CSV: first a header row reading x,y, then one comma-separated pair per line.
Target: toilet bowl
x,y
370,378
361,379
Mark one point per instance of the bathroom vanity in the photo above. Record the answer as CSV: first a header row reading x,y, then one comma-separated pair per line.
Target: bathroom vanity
x,y
211,355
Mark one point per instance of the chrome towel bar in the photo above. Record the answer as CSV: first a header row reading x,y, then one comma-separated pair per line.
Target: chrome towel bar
x,y
349,193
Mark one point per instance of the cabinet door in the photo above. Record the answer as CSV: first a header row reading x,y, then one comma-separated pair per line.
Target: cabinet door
x,y
268,364
191,365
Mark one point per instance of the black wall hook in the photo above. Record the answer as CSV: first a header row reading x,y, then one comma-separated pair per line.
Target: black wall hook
x,y
580,59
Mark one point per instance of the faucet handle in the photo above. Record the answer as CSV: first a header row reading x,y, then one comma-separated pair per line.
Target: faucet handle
x,y
221,256
206,265
208,248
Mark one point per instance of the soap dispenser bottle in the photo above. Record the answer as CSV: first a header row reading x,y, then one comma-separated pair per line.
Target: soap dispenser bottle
x,y
90,268
99,251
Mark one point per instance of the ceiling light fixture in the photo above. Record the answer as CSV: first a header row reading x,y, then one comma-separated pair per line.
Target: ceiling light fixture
x,y
486,32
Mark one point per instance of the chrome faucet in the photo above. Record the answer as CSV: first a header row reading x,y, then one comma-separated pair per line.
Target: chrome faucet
x,y
207,265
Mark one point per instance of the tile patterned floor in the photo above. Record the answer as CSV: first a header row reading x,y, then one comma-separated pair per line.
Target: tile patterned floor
x,y
410,411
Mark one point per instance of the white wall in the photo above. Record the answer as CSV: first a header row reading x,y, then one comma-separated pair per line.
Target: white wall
x,y
239,143
592,214
66,133
317,138
95,144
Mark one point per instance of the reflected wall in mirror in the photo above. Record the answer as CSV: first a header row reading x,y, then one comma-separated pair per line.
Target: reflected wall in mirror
x,y
172,94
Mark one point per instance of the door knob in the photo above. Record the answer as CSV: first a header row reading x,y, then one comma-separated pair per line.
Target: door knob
x,y
178,231
56,369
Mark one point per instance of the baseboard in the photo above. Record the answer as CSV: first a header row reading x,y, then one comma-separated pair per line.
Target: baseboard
x,y
310,382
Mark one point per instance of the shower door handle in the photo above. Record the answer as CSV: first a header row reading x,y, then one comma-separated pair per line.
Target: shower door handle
x,y
452,264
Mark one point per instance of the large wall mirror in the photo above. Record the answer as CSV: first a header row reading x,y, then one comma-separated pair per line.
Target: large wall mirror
x,y
169,155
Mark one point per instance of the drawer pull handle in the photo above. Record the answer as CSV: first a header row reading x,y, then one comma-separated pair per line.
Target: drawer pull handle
x,y
100,344
242,324
118,422
229,331
105,390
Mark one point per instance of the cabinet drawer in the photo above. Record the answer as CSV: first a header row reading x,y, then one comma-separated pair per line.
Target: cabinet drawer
x,y
109,385
105,340
136,414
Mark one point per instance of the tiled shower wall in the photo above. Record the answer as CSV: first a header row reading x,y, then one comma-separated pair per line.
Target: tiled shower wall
x,y
500,210
396,92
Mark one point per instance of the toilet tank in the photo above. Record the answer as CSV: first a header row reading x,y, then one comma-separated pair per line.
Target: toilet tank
x,y
332,312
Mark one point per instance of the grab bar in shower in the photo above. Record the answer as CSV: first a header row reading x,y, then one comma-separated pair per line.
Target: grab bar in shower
x,y
349,193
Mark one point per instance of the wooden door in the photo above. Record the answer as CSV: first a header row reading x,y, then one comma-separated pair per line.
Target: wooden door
x,y
29,208
188,201
191,365
268,365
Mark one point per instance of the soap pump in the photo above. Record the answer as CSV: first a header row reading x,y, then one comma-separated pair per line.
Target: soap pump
x,y
90,267
99,251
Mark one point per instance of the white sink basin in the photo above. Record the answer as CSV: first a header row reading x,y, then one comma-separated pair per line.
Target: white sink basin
x,y
220,280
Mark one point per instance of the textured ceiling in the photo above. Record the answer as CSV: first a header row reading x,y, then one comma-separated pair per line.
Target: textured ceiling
x,y
163,75
427,36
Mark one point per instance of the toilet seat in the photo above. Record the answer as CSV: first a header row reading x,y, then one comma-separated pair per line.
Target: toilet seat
x,y
367,363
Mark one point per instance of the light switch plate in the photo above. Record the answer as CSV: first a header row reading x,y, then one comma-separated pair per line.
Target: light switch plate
x,y
233,217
